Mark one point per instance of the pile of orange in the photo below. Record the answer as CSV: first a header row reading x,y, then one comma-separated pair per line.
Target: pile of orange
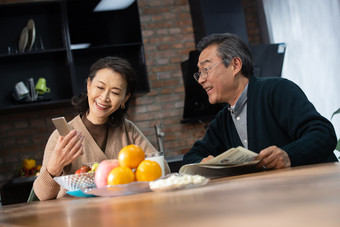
x,y
133,167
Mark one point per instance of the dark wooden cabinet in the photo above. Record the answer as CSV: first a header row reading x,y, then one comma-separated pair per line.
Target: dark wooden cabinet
x,y
70,36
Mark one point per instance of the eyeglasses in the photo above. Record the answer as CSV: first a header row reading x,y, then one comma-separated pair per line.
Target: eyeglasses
x,y
204,72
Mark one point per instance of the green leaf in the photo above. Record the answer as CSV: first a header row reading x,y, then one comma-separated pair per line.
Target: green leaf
x,y
338,146
336,112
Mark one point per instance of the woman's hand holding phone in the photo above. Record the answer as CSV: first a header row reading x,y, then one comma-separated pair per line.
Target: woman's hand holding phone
x,y
67,149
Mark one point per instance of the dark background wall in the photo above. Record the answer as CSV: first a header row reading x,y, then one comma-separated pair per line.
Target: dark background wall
x,y
168,38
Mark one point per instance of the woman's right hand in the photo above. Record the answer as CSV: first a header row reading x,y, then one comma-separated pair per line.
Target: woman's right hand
x,y
67,149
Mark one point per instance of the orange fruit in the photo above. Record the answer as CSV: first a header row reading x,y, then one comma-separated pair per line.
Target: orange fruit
x,y
130,156
148,170
120,175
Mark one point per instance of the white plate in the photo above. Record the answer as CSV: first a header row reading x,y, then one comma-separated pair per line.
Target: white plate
x,y
177,181
31,34
23,40
118,190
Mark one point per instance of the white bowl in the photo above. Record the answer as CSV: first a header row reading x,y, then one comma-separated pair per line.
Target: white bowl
x,y
75,181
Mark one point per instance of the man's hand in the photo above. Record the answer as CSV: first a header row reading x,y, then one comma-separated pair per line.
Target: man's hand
x,y
273,158
207,158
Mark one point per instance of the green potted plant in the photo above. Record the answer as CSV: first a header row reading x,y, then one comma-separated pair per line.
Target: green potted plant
x,y
338,144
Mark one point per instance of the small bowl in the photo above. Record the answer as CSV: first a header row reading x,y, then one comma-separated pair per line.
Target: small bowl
x,y
76,181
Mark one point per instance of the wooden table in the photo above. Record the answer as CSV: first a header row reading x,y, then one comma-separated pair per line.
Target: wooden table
x,y
302,196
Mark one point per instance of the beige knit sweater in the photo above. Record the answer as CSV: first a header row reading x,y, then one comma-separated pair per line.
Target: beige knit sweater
x,y
45,187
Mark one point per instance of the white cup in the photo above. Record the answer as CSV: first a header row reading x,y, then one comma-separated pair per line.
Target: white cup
x,y
21,91
157,157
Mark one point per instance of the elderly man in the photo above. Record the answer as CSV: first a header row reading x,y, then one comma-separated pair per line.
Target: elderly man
x,y
270,116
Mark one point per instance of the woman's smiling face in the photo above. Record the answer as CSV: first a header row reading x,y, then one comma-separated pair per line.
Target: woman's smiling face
x,y
106,93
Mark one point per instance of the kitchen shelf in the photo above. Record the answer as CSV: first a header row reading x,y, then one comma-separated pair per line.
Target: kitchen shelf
x,y
69,37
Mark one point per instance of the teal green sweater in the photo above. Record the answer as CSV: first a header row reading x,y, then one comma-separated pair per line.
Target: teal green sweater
x,y
278,113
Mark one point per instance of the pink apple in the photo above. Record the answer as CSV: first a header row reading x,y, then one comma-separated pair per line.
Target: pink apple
x,y
103,170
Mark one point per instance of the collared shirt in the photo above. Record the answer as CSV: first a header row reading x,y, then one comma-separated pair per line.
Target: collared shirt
x,y
239,115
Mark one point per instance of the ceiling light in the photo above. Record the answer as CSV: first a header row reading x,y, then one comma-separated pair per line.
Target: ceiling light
x,y
108,5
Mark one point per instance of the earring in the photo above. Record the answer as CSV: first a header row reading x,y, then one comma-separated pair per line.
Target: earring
x,y
122,106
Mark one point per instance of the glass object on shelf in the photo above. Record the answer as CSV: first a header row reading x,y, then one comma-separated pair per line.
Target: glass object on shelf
x,y
41,44
12,49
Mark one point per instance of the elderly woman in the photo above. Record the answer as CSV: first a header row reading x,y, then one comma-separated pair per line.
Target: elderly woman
x,y
98,132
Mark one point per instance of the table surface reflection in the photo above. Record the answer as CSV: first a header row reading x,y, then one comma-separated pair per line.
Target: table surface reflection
x,y
301,196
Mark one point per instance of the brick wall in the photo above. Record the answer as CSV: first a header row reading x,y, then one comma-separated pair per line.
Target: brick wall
x,y
253,28
168,38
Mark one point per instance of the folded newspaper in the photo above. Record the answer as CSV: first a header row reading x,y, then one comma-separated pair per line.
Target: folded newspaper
x,y
232,162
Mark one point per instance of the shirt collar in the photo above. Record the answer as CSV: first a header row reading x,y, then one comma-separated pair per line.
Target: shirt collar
x,y
240,103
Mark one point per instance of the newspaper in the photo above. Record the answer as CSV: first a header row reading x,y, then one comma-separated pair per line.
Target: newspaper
x,y
234,161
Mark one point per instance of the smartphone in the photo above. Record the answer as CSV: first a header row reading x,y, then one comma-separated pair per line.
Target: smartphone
x,y
61,125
